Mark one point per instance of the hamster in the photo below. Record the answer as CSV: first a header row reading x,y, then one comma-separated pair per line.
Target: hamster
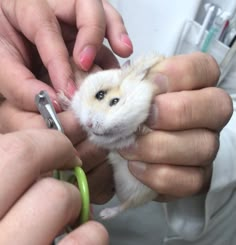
x,y
112,106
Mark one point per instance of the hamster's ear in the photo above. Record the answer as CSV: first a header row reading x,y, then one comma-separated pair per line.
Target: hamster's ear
x,y
142,73
147,67
160,85
151,73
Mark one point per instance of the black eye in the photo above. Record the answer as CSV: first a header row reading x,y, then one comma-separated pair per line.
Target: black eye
x,y
100,94
114,101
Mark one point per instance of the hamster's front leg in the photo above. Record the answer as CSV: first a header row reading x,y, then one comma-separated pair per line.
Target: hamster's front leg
x,y
130,191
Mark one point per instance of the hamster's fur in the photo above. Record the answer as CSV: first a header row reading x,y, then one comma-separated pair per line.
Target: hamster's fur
x,y
112,106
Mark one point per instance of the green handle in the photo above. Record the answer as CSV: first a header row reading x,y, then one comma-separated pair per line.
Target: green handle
x,y
84,191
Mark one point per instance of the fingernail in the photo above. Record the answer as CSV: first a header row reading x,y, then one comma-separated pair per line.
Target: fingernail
x,y
126,40
77,161
56,105
137,168
87,57
153,116
162,82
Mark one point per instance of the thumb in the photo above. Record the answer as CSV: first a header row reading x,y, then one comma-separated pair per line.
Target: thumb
x,y
90,233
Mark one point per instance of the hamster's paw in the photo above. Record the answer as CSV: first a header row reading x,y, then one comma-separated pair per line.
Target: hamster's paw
x,y
64,101
109,213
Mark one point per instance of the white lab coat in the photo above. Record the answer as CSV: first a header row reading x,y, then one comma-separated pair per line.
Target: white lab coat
x,y
201,220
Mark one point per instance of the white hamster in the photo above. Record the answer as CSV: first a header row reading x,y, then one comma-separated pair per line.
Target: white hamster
x,y
112,106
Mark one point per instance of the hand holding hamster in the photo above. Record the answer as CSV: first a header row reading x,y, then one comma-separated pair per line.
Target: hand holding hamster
x,y
112,106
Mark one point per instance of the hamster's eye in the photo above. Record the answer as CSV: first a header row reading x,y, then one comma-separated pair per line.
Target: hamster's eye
x,y
114,101
100,94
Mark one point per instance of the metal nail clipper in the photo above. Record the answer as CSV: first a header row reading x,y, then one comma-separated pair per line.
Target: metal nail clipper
x,y
47,111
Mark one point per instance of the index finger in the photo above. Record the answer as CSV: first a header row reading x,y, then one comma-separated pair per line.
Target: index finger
x,y
46,35
91,24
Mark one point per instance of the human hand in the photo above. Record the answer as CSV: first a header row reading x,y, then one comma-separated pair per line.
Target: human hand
x,y
31,31
57,31
186,123
38,208
14,115
94,159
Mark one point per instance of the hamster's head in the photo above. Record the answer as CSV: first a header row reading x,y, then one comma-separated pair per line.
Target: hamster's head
x,y
111,106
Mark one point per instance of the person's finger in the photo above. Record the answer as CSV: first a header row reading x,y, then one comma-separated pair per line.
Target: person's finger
x,y
189,147
93,20
116,32
206,108
41,213
176,181
18,83
46,35
14,119
89,18
91,24
90,233
29,150
188,72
